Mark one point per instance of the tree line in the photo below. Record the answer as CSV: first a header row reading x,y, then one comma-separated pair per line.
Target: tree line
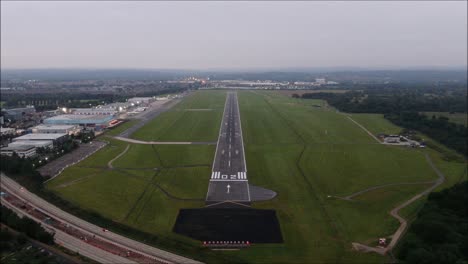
x,y
440,232
25,225
403,107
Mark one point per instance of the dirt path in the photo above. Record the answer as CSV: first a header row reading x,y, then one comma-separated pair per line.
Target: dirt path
x,y
66,184
395,213
351,196
365,129
109,164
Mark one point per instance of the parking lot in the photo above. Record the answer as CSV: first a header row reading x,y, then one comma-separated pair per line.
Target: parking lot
x,y
54,167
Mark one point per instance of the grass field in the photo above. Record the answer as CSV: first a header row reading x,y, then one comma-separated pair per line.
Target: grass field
x,y
303,152
457,118
121,128
197,118
376,123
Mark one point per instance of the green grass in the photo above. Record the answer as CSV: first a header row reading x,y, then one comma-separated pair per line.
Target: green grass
x,y
345,169
180,124
302,152
121,128
457,118
186,183
376,123
374,207
110,193
138,156
71,175
104,155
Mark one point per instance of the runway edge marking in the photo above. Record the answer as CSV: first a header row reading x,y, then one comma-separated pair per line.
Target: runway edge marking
x,y
217,143
242,140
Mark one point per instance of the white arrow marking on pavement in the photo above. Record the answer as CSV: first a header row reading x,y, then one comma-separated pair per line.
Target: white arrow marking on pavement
x,y
228,187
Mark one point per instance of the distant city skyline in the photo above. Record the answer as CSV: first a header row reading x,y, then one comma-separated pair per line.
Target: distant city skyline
x,y
233,35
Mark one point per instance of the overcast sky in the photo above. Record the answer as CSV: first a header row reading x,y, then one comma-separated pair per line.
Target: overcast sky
x,y
229,35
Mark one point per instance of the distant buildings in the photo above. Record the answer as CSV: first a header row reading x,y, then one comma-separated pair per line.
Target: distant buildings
x,y
48,144
17,114
93,111
57,129
55,138
141,100
318,82
4,131
321,81
95,122
24,151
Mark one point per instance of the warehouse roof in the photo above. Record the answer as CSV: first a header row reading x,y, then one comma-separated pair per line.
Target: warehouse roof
x,y
18,148
49,126
78,119
36,143
40,136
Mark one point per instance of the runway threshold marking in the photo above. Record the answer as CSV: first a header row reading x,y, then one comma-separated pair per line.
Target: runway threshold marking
x,y
233,124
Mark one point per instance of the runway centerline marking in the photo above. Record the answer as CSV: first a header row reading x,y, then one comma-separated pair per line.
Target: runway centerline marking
x,y
230,167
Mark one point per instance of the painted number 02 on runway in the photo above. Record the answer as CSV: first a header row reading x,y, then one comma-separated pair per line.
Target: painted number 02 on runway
x,y
218,176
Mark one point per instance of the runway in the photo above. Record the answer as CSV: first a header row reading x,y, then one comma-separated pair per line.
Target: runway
x,y
229,180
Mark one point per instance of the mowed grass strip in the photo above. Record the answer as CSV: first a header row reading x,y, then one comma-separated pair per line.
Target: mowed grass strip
x,y
105,154
186,155
345,169
185,183
366,218
376,123
138,156
178,124
327,154
71,176
109,193
155,212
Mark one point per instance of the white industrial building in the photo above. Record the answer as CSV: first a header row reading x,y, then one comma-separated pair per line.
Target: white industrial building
x,y
119,106
320,81
141,100
57,129
36,143
24,151
93,111
95,122
55,138
7,131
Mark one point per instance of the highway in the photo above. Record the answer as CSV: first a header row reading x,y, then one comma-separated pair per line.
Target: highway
x,y
116,242
228,180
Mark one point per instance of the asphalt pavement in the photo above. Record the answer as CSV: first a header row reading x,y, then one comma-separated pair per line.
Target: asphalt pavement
x,y
228,180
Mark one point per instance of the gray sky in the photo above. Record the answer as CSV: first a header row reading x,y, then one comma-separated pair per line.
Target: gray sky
x,y
210,35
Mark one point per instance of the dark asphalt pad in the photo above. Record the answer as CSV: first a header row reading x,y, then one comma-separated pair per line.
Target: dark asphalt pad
x,y
223,224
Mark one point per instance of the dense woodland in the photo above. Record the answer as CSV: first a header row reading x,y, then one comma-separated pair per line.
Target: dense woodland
x,y
440,232
25,225
403,107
